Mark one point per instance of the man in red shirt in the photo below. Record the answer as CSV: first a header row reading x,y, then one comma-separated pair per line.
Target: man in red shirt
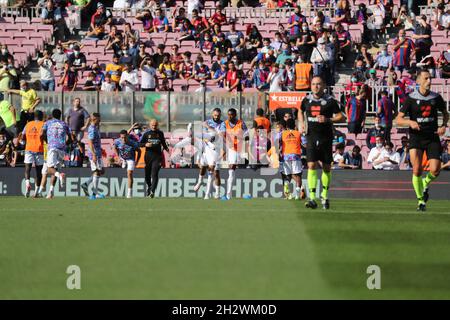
x,y
218,17
233,78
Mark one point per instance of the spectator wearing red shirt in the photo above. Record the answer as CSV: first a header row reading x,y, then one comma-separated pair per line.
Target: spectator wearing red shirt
x,y
218,17
233,79
99,21
200,24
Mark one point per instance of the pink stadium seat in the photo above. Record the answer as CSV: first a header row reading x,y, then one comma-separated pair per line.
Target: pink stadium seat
x,y
24,20
36,20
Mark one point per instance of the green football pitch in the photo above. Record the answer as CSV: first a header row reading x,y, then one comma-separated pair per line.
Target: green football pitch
x,y
238,249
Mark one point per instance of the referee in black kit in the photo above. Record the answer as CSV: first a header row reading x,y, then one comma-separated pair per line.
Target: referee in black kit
x,y
154,142
321,111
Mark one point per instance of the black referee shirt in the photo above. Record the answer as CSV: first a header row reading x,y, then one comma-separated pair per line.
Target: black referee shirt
x,y
312,107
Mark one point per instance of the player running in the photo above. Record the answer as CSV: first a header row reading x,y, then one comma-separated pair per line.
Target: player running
x,y
290,146
94,151
34,150
57,135
422,107
321,111
126,149
234,132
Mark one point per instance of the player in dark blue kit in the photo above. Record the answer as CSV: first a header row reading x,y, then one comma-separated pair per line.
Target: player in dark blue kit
x,y
126,149
422,107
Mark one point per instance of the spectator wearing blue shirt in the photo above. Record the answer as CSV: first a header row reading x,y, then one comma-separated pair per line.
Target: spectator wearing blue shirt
x,y
52,15
383,60
352,160
220,75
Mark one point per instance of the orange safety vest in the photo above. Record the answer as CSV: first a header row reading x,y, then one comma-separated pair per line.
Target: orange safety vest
x,y
234,132
291,142
33,131
263,121
303,76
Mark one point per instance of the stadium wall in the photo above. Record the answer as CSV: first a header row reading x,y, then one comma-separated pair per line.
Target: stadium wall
x,y
263,183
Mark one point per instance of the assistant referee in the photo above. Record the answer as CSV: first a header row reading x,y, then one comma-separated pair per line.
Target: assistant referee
x,y
321,111
154,142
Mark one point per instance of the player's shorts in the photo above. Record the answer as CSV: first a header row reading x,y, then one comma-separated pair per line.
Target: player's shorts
x,y
96,165
55,158
319,149
129,164
34,157
292,167
209,158
233,157
431,144
354,127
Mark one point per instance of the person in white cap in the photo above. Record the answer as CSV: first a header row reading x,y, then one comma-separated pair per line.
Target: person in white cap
x,y
320,57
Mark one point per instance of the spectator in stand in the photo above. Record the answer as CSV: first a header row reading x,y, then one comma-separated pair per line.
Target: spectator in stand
x,y
30,101
375,149
253,41
376,131
306,40
376,21
165,86
142,54
218,17
356,112
338,156
207,45
99,21
405,19
233,79
200,24
69,79
220,75
386,112
338,137
149,79
284,55
130,35
115,44
77,60
283,33
422,35
383,60
4,53
8,76
160,22
303,74
403,151
236,39
443,64
60,58
114,69
159,55
194,5
89,85
404,50
320,58
203,87
179,20
125,58
260,76
78,119
441,18
352,160
52,15
186,69
276,79
386,159
108,85
46,67
129,79
147,20
294,23
176,57
446,157
345,48
201,70
289,76
167,70
429,64
223,46
366,56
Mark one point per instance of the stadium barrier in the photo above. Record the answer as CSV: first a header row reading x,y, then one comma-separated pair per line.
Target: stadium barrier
x,y
264,183
175,109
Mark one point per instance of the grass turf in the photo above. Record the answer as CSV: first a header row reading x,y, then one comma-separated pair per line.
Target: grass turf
x,y
239,249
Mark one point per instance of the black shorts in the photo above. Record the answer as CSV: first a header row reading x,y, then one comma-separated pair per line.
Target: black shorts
x,y
431,144
319,149
354,127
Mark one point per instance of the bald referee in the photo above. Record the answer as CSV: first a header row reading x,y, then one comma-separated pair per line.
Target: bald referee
x,y
154,142
423,107
319,111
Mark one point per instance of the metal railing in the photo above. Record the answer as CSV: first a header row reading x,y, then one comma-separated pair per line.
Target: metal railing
x,y
175,109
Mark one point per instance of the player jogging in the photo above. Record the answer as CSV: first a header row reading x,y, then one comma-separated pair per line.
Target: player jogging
x,y
321,111
233,130
57,134
422,107
290,146
94,151
34,150
126,149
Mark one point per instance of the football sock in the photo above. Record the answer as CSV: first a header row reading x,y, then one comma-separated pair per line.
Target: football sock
x,y
51,189
129,192
57,175
216,189
230,181
200,179
95,184
297,192
286,186
326,180
27,183
312,183
418,187
428,179
208,184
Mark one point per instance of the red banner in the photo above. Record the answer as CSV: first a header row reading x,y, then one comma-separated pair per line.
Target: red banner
x,y
279,100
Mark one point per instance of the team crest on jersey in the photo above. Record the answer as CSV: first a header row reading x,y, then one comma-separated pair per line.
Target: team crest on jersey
x,y
418,101
323,102
432,102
